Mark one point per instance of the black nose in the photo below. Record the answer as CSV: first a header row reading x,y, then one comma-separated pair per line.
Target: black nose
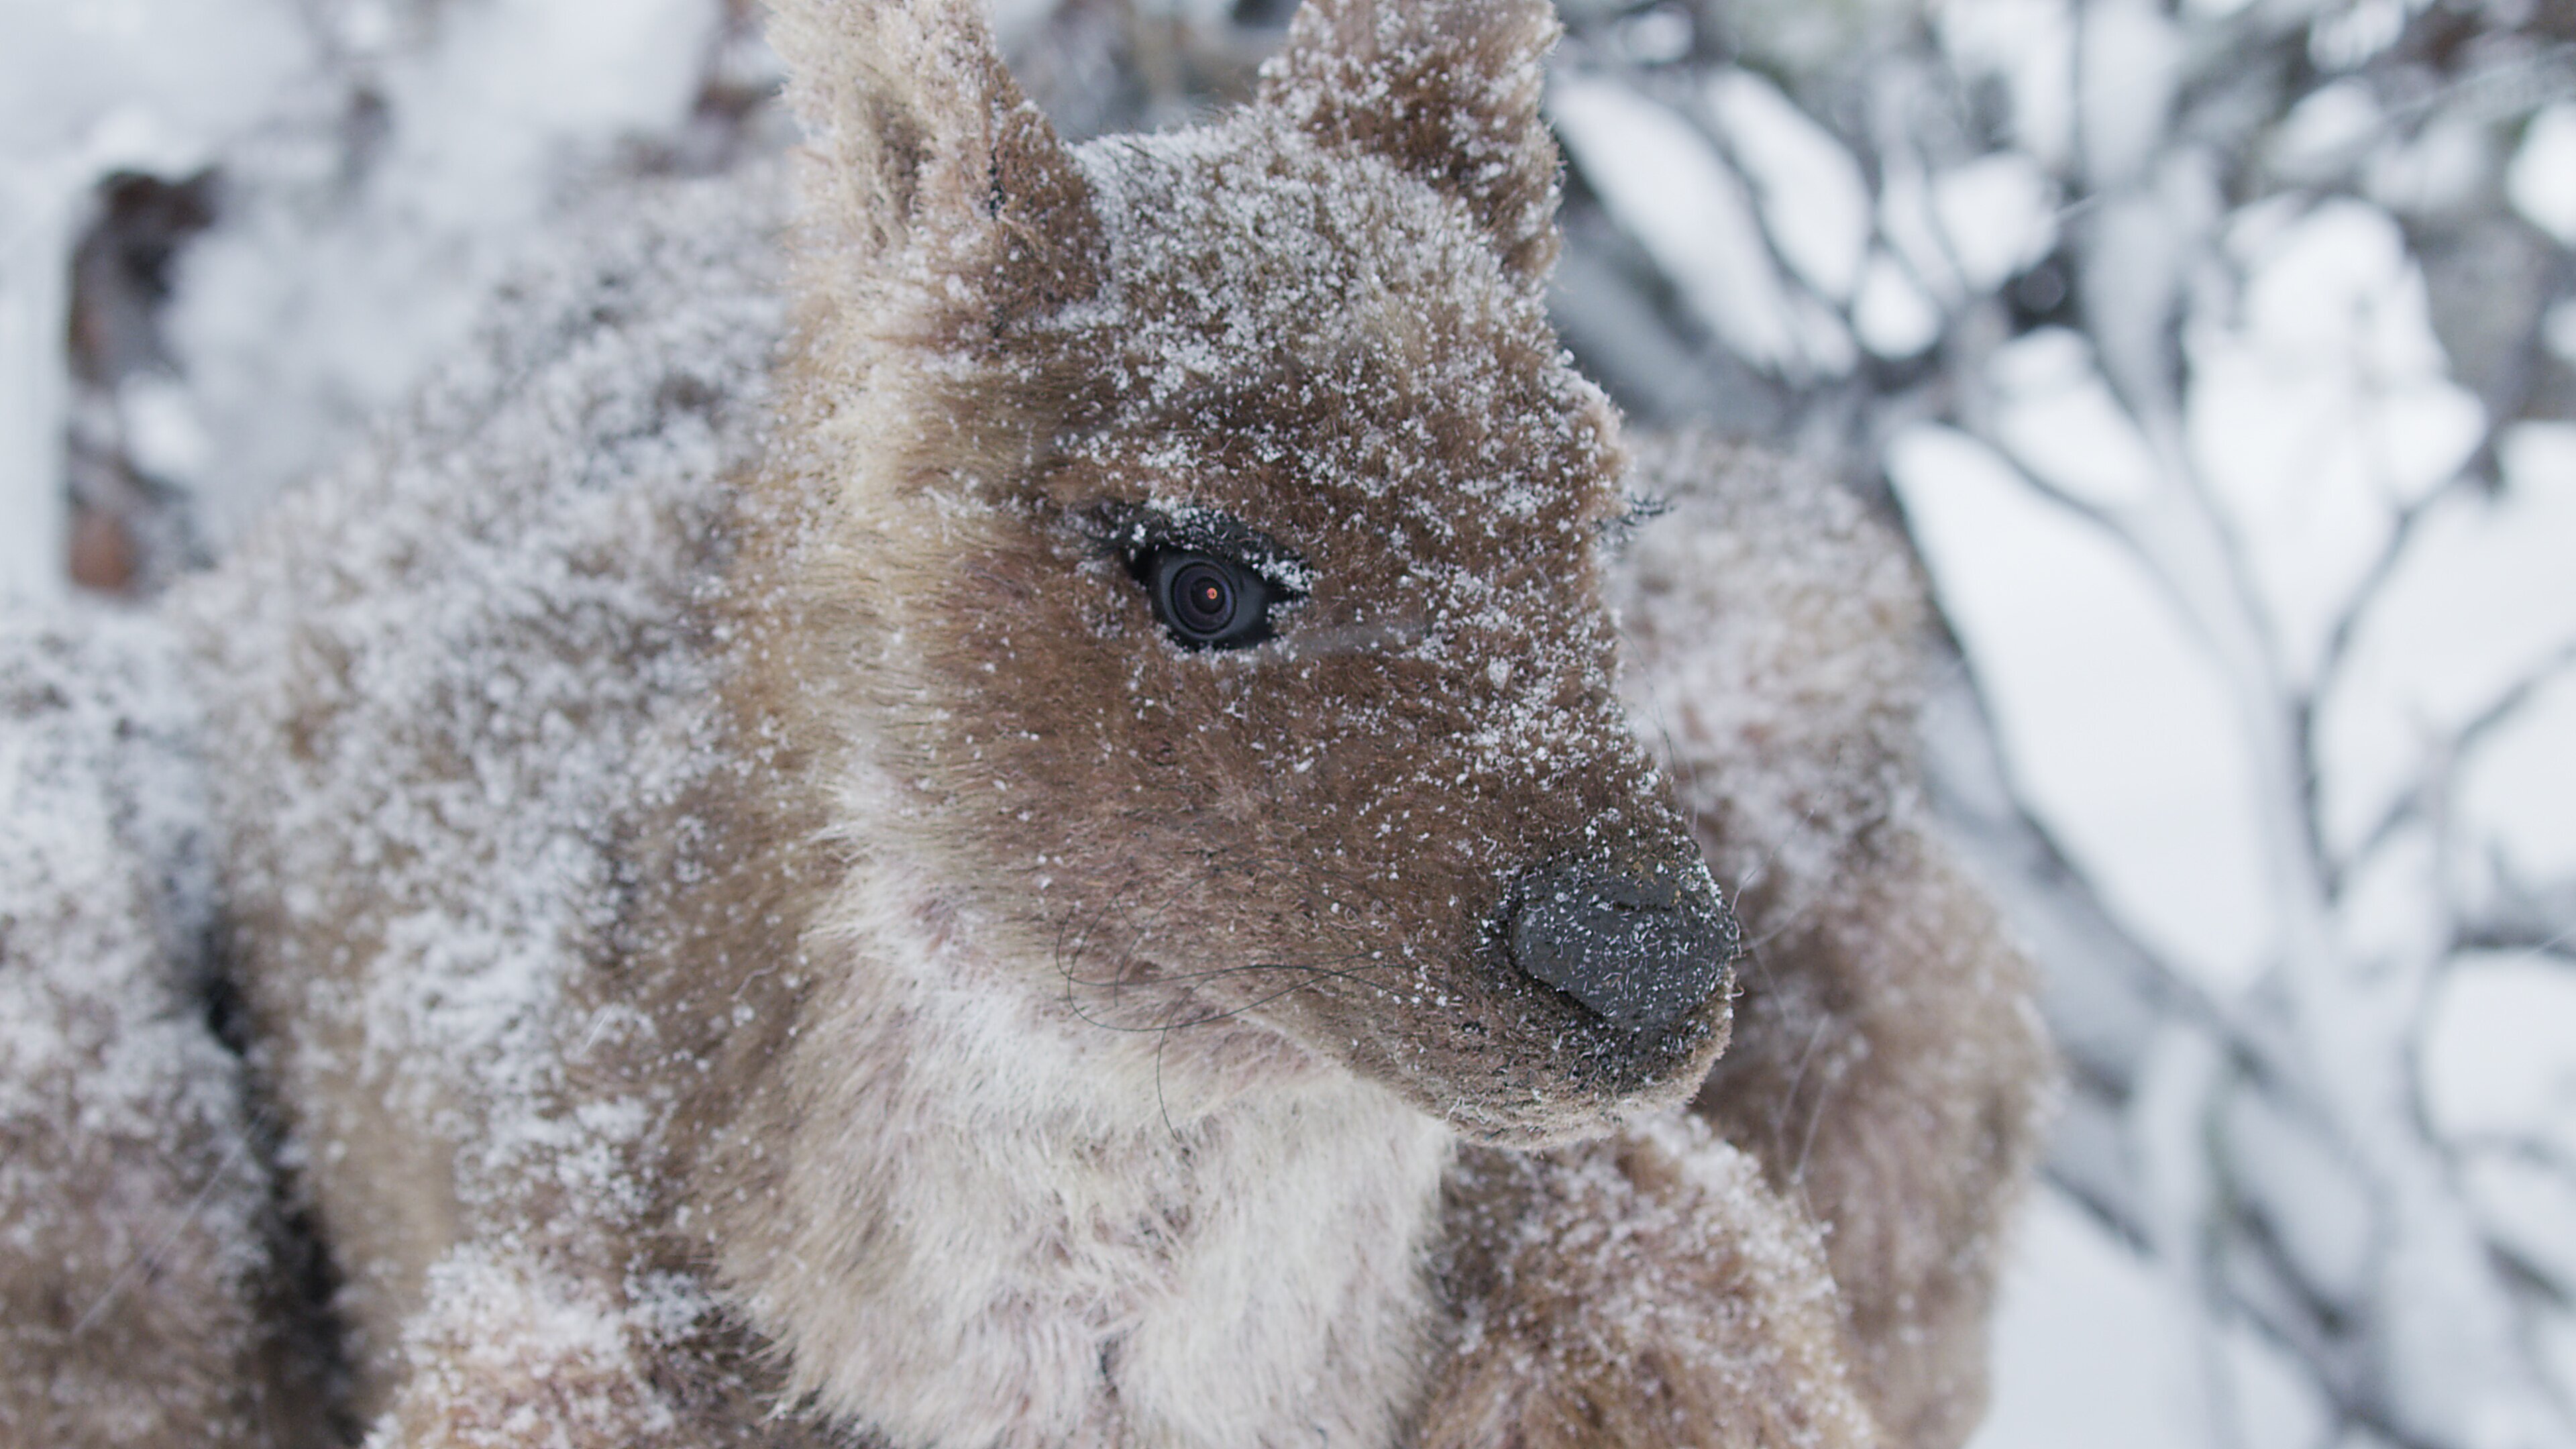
x,y
1642,947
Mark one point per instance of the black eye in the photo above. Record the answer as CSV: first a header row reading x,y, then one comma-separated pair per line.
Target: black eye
x,y
1206,601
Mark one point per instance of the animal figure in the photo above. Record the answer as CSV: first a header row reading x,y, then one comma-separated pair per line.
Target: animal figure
x,y
1061,805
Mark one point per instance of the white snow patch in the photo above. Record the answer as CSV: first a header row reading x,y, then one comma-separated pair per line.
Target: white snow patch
x,y
2322,411
331,286
2318,1208
2325,133
32,387
1657,36
2030,45
1689,210
2390,911
182,70
2055,414
2499,1059
1814,199
150,86
1907,220
2277,1404
1891,314
2541,182
2448,167
2554,1338
2514,803
2476,604
2558,331
2130,56
2529,1209
163,434
1999,215
2118,732
2089,1346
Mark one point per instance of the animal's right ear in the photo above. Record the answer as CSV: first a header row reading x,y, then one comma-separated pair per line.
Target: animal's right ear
x,y
1448,90
926,145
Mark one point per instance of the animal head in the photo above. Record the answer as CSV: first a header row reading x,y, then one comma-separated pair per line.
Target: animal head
x,y
1203,536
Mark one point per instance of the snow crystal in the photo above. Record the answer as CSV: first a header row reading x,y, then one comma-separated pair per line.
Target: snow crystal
x,y
2118,732
2542,179
127,1171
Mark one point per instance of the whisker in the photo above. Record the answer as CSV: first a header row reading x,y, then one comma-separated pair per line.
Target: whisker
x,y
1797,1079
1815,1120
152,1257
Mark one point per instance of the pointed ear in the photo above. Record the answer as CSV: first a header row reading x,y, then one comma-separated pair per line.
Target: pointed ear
x,y
1449,90
922,143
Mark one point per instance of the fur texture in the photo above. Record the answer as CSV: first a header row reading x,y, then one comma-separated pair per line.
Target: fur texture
x,y
1889,1061
756,933
141,1297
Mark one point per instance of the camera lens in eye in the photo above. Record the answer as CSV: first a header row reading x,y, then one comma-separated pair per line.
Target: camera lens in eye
x,y
1203,599
1207,601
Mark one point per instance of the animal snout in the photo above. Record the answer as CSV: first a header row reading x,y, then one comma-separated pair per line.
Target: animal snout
x,y
1642,947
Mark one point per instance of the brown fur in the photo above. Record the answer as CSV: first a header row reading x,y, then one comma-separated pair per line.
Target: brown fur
x,y
1432,367
139,1299
1888,1066
760,937
1626,1292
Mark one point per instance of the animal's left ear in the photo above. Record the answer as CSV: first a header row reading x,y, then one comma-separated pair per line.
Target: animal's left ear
x,y
1449,90
924,148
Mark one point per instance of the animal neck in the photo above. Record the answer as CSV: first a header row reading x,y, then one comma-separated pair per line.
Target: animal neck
x,y
1006,1224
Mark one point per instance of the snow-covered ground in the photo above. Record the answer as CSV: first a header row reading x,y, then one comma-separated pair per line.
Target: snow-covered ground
x,y
2221,359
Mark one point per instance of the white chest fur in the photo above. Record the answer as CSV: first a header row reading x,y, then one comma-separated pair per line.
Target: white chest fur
x,y
1011,1227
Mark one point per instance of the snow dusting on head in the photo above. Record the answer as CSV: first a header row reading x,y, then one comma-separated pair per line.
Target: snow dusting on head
x,y
1307,339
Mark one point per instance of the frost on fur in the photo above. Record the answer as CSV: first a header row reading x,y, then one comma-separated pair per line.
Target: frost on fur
x,y
139,1301
1888,1063
761,929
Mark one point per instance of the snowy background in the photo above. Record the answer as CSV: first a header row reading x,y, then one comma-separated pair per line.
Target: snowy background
x,y
2221,362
